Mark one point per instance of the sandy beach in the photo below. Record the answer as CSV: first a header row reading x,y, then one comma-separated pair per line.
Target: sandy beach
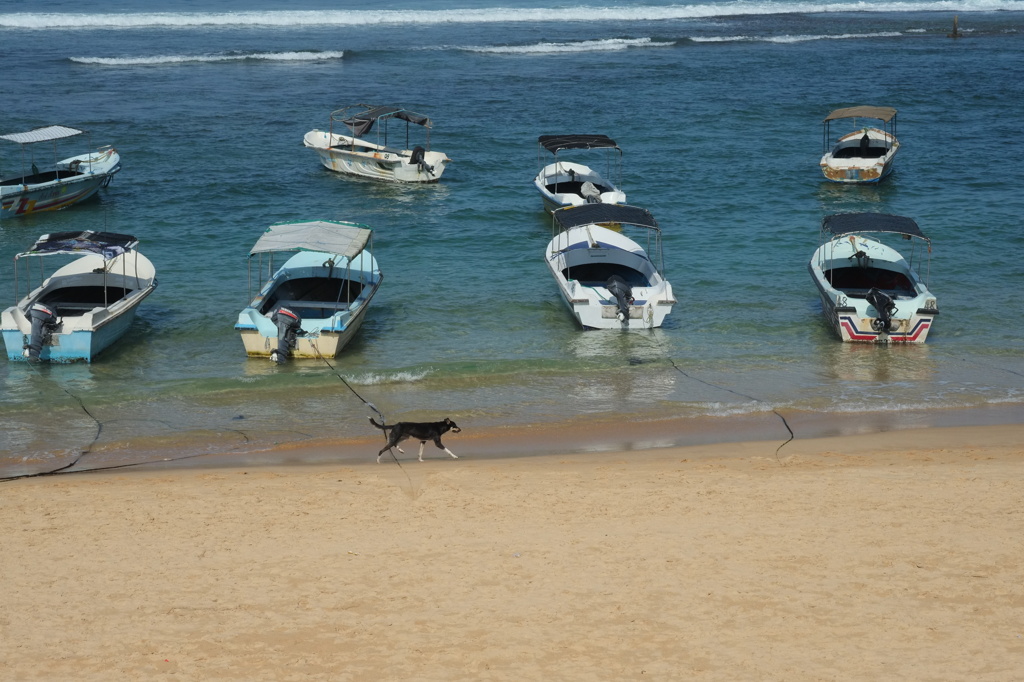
x,y
887,556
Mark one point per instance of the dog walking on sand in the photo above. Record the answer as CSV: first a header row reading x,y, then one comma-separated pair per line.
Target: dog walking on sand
x,y
421,431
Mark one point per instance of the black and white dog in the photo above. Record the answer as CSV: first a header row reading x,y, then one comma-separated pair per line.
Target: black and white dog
x,y
421,431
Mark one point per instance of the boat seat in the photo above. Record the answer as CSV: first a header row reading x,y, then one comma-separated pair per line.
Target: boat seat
x,y
858,153
303,308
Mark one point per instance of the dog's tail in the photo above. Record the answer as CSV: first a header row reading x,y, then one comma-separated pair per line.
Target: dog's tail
x,y
382,427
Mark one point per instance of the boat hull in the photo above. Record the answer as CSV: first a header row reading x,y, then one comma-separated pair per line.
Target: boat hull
x,y
844,163
326,334
85,330
560,185
353,156
843,291
91,172
582,259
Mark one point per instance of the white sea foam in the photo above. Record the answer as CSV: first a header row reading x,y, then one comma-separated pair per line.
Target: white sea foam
x,y
332,18
581,46
793,39
184,58
407,377
843,36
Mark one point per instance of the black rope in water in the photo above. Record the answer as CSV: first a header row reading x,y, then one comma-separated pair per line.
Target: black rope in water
x,y
988,366
743,395
383,419
83,453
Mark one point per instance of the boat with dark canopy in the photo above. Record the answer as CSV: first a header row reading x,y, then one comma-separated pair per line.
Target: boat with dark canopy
x,y
869,291
605,278
565,183
84,306
349,151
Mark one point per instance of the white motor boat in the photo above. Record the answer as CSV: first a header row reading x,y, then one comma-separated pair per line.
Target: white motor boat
x,y
349,152
607,280
864,155
84,306
59,185
869,291
564,183
313,304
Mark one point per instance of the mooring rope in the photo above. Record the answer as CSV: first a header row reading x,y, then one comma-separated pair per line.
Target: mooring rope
x,y
383,419
83,453
743,395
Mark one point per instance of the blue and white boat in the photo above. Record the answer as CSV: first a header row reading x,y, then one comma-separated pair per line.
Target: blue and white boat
x,y
312,305
85,305
58,185
606,279
870,292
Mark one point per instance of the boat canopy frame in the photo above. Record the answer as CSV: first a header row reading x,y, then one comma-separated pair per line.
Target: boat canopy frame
x,y
50,133
886,115
839,225
569,217
558,143
338,238
109,245
359,119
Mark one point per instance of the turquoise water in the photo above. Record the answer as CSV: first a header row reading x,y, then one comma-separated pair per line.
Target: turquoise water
x,y
718,109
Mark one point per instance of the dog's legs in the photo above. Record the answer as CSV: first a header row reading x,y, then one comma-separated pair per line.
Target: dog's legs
x,y
422,443
437,442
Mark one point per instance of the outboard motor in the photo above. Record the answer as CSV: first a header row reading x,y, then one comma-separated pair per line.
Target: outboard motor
x,y
623,294
590,192
44,322
418,156
288,326
885,307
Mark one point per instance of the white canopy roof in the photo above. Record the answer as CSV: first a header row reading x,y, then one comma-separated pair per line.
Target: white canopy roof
x,y
327,236
42,134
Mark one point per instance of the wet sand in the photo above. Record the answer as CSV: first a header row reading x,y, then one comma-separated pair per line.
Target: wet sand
x,y
892,555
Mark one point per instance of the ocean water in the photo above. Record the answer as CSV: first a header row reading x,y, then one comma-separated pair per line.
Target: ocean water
x,y
717,107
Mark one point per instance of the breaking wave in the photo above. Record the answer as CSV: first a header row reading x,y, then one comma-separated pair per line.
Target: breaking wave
x,y
581,46
335,18
794,39
185,58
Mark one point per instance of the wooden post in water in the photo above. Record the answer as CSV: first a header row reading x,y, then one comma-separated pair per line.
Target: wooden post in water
x,y
956,29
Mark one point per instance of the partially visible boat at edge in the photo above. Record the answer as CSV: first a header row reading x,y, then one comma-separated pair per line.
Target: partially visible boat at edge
x,y
84,306
565,183
313,304
606,279
59,185
349,152
869,291
865,155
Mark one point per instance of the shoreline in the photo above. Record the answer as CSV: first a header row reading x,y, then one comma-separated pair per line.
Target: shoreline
x,y
600,433
852,557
